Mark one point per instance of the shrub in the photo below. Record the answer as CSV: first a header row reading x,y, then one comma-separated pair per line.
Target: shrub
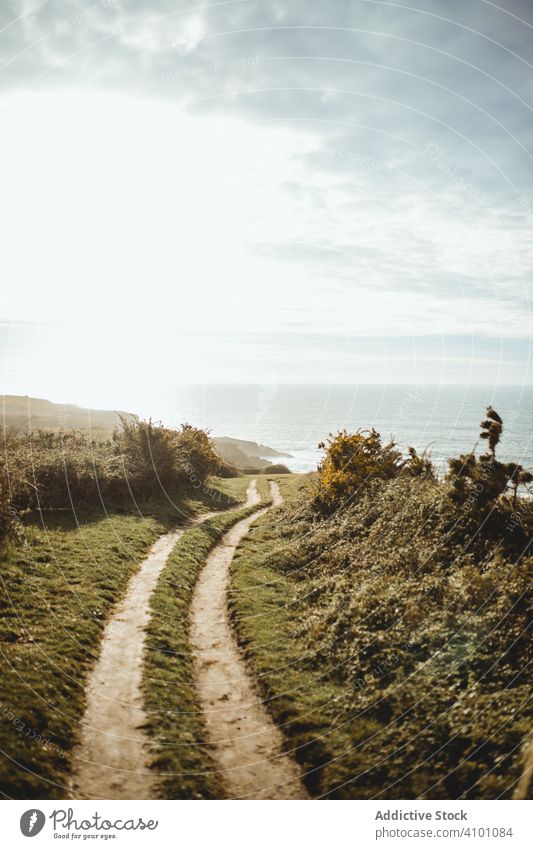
x,y
354,459
491,429
277,469
477,483
148,455
12,487
402,632
44,469
196,457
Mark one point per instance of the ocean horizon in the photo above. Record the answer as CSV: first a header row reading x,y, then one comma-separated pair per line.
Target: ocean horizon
x,y
294,418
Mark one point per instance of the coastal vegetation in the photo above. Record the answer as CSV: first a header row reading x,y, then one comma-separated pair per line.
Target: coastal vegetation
x,y
384,611
386,616
59,585
78,515
62,574
54,470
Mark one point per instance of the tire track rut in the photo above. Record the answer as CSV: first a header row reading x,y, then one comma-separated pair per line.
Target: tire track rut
x,y
112,759
247,745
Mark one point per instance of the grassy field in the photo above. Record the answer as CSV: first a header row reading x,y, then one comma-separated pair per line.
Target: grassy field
x,y
59,582
397,666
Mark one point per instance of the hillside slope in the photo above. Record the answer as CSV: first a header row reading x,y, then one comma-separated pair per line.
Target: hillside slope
x,y
392,642
24,412
245,454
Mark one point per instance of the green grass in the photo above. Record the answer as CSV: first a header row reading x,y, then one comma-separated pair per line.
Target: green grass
x,y
234,489
291,485
175,722
395,664
59,582
304,703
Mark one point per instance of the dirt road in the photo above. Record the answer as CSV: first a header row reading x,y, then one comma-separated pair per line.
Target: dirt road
x,y
112,759
247,745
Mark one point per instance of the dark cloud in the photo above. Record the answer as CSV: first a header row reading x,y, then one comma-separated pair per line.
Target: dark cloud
x,y
451,72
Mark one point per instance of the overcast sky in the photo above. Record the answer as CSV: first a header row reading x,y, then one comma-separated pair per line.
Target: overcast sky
x,y
263,192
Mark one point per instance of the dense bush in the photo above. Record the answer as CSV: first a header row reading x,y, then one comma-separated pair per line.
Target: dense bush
x,y
409,625
476,483
272,469
406,667
196,458
353,460
42,469
155,458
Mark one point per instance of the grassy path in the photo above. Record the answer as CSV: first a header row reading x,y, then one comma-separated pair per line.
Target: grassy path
x,y
112,760
182,758
247,746
59,583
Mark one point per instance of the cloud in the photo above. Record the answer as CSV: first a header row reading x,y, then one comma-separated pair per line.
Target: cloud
x,y
401,174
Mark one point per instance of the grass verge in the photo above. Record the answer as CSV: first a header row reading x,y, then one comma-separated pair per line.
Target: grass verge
x,y
304,703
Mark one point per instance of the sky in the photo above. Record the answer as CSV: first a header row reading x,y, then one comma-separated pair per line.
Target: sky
x,y
243,191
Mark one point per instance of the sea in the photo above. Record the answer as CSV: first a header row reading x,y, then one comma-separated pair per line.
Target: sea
x,y
444,420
